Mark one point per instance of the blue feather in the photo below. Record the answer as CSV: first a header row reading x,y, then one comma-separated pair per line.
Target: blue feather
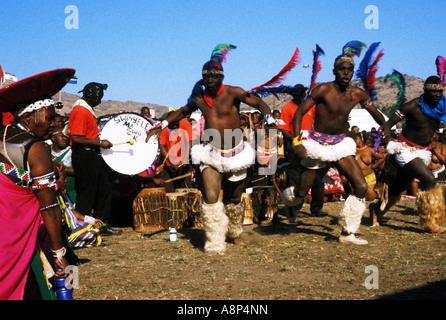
x,y
316,65
353,48
364,66
221,51
282,89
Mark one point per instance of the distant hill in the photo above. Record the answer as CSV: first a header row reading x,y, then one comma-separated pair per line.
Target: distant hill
x,y
107,106
386,93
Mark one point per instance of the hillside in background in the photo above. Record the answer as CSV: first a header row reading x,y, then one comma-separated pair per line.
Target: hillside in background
x,y
387,93
107,106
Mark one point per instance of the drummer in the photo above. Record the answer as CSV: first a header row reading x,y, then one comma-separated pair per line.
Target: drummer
x,y
93,187
223,162
175,144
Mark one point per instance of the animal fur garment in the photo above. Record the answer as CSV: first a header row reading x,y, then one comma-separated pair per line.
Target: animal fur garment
x,y
430,205
330,153
205,154
235,213
215,224
351,215
405,153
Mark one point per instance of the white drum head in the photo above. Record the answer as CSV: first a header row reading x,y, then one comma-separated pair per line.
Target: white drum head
x,y
126,158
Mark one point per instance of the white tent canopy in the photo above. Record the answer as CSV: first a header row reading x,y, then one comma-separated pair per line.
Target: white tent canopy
x,y
363,120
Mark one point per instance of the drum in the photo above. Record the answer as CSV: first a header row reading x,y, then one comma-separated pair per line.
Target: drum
x,y
249,212
177,212
265,202
150,210
194,202
131,154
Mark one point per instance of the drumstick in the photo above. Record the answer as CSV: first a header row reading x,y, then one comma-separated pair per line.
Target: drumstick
x,y
131,141
167,155
179,177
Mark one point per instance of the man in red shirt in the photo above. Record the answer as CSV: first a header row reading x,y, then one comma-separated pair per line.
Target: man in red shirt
x,y
294,172
92,184
175,143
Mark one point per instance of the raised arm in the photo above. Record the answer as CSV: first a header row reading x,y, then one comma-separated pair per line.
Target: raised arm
x,y
253,101
397,116
177,115
300,112
367,104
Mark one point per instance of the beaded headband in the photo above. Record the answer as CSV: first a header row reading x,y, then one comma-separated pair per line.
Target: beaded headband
x,y
342,60
212,71
37,105
434,87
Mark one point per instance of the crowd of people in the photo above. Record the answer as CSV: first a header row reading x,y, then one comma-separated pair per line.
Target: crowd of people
x,y
54,176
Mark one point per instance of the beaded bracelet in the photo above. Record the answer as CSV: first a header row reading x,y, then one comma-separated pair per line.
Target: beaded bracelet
x,y
44,182
50,206
59,253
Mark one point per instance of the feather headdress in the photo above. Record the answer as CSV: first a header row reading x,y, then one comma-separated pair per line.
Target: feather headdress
x,y
401,83
316,66
441,69
281,76
353,48
350,49
295,91
367,70
221,51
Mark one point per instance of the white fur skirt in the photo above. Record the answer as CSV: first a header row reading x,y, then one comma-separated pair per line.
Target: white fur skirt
x,y
404,153
328,152
204,154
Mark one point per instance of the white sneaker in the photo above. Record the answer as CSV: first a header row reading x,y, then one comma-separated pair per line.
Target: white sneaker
x,y
351,238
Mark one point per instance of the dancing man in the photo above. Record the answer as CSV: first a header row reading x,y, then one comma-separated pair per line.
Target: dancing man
x,y
327,142
224,156
410,155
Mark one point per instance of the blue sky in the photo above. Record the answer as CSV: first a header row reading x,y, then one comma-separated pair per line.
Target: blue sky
x,y
153,51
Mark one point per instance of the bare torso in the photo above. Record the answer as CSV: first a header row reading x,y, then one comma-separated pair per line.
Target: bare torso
x,y
365,159
224,115
333,107
419,128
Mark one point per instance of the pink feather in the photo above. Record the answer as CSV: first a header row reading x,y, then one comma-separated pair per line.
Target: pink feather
x,y
441,69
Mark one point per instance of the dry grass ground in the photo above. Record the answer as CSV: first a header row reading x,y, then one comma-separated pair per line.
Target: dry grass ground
x,y
281,261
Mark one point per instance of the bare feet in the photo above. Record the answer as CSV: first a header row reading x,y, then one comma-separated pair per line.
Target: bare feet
x,y
375,216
